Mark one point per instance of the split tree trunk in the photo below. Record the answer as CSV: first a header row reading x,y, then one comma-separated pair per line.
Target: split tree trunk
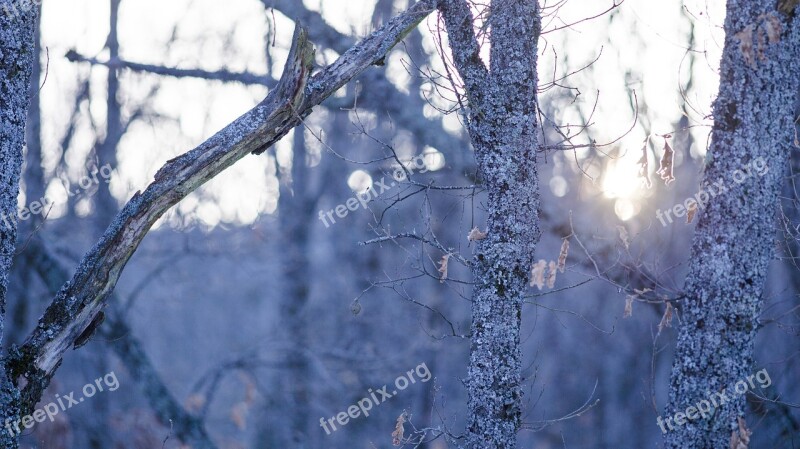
x,y
503,129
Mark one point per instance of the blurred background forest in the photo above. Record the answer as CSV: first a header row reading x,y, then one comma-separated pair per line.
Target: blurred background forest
x,y
245,313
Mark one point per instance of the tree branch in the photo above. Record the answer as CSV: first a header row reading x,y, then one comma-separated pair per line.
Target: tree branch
x,y
217,75
464,44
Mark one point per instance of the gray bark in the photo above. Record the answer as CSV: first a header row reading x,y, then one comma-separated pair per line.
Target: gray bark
x,y
503,129
734,240
17,51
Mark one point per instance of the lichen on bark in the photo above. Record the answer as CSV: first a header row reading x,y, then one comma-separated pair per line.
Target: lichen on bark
x,y
16,63
503,128
734,240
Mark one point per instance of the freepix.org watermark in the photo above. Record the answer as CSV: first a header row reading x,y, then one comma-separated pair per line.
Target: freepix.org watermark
x,y
756,167
363,406
360,200
61,404
42,205
705,408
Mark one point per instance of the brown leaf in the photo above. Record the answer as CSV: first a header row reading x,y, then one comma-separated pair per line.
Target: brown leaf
x,y
551,274
665,167
628,306
690,213
537,274
443,267
741,439
562,256
630,298
476,234
397,435
666,320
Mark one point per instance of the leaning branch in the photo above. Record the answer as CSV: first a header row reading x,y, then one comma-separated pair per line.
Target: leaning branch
x,y
80,300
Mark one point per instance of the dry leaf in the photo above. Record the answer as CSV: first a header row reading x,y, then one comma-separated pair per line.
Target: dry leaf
x,y
537,274
476,234
630,298
397,435
665,167
741,440
562,256
644,171
666,320
623,236
628,307
551,274
690,213
443,267
355,307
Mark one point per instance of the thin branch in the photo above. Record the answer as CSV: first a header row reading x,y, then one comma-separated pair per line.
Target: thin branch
x,y
218,75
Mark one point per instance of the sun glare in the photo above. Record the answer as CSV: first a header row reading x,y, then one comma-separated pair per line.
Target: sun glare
x,y
622,183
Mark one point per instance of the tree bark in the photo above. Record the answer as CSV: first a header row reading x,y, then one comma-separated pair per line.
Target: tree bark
x,y
503,128
17,52
734,240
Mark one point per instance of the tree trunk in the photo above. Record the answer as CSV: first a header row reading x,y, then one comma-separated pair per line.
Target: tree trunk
x,y
17,51
296,215
734,241
503,129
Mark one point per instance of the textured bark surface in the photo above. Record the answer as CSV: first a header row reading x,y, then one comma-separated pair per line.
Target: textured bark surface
x,y
17,51
503,128
83,297
734,241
